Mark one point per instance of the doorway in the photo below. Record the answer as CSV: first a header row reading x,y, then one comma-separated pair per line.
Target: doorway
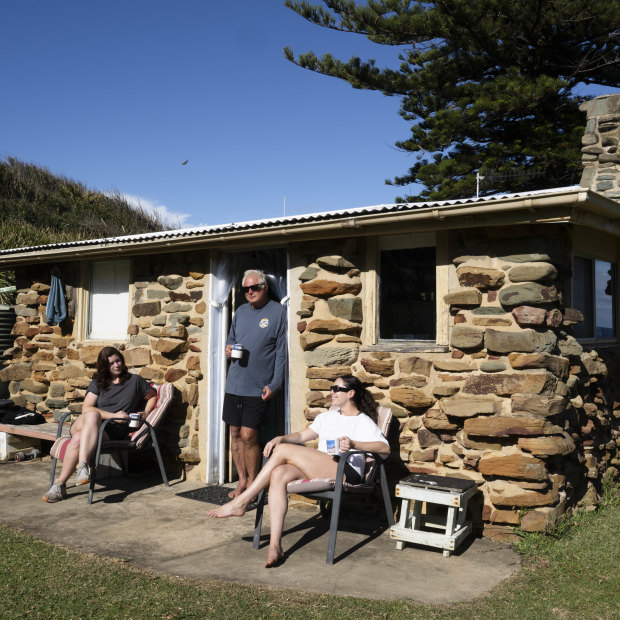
x,y
227,269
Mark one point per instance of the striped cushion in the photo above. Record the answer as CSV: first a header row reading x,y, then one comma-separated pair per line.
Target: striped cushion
x,y
165,394
59,448
311,485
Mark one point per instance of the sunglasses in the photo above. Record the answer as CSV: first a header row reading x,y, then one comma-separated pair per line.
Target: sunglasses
x,y
339,388
253,287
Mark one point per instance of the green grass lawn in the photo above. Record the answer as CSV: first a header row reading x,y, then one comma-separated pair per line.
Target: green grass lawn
x,y
572,574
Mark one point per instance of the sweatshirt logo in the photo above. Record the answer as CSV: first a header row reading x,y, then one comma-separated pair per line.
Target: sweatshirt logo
x,y
263,323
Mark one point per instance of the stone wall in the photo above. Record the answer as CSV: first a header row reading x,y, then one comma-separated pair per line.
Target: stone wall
x,y
49,368
515,403
600,156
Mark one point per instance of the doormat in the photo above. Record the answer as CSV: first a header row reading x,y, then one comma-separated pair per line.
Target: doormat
x,y
212,495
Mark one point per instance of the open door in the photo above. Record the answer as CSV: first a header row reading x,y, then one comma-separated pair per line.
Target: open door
x,y
226,270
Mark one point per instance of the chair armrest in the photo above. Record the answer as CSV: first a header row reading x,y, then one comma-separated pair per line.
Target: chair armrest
x,y
60,424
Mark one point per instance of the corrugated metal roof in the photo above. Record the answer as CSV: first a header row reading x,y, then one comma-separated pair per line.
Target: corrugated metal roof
x,y
281,221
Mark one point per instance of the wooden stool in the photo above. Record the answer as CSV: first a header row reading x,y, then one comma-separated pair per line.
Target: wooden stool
x,y
451,492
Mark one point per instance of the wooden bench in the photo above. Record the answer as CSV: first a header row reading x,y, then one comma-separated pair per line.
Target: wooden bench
x,y
16,437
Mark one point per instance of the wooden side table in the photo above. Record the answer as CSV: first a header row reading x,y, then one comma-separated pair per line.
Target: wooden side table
x,y
451,492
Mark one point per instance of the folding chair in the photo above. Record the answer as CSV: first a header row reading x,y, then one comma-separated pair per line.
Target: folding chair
x,y
141,439
334,489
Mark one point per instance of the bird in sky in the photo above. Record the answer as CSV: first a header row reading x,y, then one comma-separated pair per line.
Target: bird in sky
x,y
184,162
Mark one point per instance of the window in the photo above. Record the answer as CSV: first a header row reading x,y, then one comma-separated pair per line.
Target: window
x,y
594,285
108,300
407,288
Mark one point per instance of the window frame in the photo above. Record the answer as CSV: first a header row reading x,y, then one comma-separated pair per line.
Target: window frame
x,y
614,297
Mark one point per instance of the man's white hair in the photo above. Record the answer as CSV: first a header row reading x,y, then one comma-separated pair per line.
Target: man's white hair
x,y
254,272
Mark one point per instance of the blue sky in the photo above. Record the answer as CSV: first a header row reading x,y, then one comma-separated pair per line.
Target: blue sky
x,y
117,94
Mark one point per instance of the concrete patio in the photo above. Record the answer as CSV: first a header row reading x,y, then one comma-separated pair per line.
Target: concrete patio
x,y
177,538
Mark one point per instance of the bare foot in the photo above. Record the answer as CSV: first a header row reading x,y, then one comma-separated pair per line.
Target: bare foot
x,y
275,557
232,509
236,492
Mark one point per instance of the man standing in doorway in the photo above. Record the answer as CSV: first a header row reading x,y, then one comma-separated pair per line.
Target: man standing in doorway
x,y
260,328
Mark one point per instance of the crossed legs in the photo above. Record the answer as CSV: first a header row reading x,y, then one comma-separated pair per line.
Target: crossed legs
x,y
288,462
246,456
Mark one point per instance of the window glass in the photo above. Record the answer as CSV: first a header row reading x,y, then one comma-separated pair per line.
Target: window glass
x,y
594,295
407,309
108,300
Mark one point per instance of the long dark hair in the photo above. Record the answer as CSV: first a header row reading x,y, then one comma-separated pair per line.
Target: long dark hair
x,y
363,398
103,377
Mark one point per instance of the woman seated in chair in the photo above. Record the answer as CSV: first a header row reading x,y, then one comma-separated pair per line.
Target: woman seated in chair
x,y
351,422
113,393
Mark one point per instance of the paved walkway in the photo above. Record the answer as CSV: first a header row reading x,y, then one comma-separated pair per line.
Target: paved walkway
x,y
178,539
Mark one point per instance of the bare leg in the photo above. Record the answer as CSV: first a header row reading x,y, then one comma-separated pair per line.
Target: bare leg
x,y
310,462
251,453
238,454
71,459
278,507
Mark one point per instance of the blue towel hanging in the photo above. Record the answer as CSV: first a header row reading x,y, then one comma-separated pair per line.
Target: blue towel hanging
x,y
56,311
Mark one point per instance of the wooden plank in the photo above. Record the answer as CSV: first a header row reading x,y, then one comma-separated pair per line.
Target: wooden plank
x,y
45,431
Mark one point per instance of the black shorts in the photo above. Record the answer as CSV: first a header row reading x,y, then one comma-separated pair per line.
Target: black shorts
x,y
350,473
247,411
117,430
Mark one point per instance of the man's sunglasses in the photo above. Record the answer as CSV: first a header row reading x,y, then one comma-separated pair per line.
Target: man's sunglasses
x,y
339,388
253,287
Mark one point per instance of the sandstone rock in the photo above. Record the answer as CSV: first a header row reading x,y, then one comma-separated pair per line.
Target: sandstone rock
x,y
200,307
137,357
445,389
453,366
383,367
174,374
516,465
468,407
472,444
529,315
541,519
466,337
171,282
504,493
415,365
331,356
152,373
491,321
335,263
489,311
169,346
426,438
569,345
572,316
27,298
559,366
526,341
177,306
307,306
533,257
550,445
496,515
333,326
348,308
533,272
331,373
322,288
507,384
56,403
423,455
40,287
175,331
36,387
162,360
531,293
410,397
317,399
464,297
437,420
139,340
147,308
505,426
346,338
79,382
593,364
70,371
538,405
554,318
417,381
157,294
319,384
16,372
309,274
311,340
479,277
21,310
492,366
177,296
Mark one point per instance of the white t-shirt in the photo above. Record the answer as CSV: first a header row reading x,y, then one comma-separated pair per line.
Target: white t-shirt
x,y
332,425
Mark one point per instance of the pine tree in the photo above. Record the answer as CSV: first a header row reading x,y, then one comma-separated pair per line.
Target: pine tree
x,y
488,86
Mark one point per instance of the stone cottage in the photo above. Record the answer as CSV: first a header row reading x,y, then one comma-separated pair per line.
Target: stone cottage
x,y
489,326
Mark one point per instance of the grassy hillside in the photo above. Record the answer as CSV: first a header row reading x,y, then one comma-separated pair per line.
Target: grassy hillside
x,y
37,208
